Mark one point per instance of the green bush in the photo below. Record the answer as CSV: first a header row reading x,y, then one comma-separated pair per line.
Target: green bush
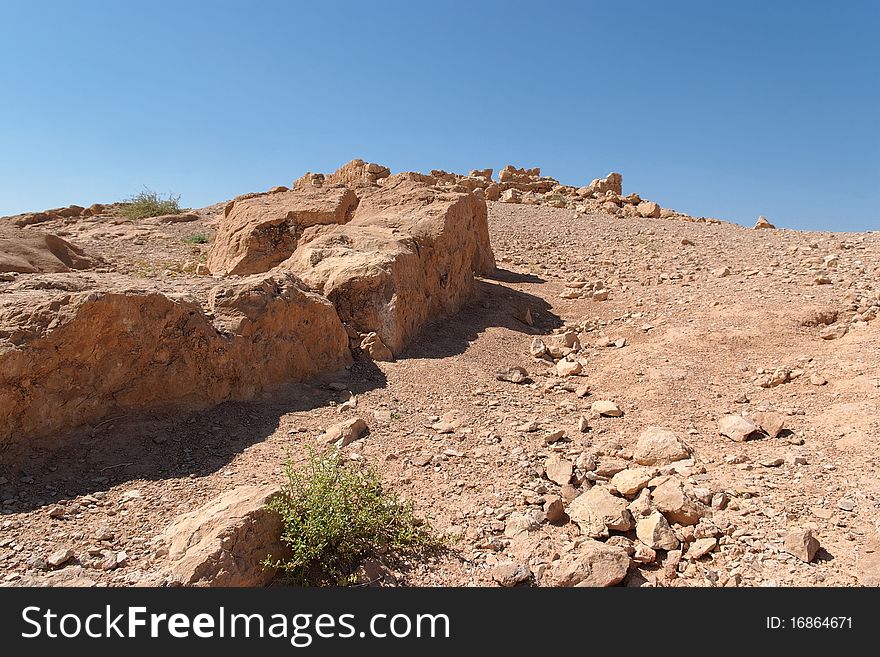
x,y
335,513
198,238
149,204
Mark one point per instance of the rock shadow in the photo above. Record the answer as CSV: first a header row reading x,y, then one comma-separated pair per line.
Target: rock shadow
x,y
494,305
159,444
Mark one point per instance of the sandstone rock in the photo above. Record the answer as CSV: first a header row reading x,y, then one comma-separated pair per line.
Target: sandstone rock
x,y
641,506
264,330
613,183
643,554
659,446
606,408
630,481
373,346
593,564
343,433
558,470
538,348
763,223
554,508
701,547
510,196
655,532
358,173
514,374
833,332
510,573
261,232
769,422
28,251
802,544
224,542
59,557
597,512
568,368
648,209
520,523
407,257
176,218
737,428
554,436
677,504
482,173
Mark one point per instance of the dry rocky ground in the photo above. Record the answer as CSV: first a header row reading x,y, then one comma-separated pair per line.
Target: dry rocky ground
x,y
566,426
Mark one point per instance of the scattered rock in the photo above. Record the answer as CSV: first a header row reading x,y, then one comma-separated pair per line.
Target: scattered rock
x,y
648,209
737,428
345,432
593,564
373,346
510,573
677,504
655,532
769,422
513,374
606,408
597,512
554,509
833,332
802,544
568,367
659,446
226,541
59,557
558,470
520,523
632,480
701,547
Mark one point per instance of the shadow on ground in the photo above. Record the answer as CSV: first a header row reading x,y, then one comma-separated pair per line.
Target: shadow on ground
x,y
171,444
494,305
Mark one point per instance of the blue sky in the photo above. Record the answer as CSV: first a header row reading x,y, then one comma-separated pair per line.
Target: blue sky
x,y
717,109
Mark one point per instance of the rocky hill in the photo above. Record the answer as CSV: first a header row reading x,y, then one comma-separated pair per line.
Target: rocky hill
x,y
581,387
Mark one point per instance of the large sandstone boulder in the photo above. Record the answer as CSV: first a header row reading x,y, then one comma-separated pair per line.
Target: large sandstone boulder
x,y
408,257
28,252
259,232
226,541
67,358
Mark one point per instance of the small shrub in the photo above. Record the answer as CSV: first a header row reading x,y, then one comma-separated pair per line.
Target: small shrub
x,y
149,204
198,238
335,513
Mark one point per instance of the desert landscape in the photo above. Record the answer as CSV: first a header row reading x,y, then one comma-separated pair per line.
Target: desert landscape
x,y
573,385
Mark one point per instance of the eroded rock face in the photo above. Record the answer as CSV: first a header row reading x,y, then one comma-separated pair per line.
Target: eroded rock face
x,y
67,358
408,257
260,232
30,252
357,172
226,541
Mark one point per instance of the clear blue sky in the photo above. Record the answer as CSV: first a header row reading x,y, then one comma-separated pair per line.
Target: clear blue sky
x,y
718,109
